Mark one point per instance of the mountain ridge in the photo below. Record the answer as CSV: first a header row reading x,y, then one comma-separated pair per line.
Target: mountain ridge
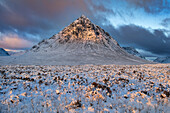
x,y
80,43
133,51
3,52
162,59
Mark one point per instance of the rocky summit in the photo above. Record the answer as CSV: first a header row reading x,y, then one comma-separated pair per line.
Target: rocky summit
x,y
82,42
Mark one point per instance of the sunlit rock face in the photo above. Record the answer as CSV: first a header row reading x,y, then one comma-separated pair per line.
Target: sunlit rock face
x,y
82,30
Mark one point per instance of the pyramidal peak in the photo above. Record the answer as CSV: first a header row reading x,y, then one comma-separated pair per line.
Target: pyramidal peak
x,y
81,31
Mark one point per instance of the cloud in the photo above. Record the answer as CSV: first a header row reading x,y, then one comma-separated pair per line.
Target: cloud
x,y
46,18
153,40
100,7
11,41
151,6
166,22
36,17
43,18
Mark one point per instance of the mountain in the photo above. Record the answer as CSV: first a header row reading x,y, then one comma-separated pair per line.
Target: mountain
x,y
133,51
80,34
82,42
162,60
3,52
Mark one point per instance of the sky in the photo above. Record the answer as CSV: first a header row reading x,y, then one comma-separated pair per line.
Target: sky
x,y
142,24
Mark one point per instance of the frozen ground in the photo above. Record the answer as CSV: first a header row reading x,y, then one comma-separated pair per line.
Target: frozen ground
x,y
85,88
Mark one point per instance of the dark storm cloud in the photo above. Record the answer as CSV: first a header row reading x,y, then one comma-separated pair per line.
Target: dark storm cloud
x,y
33,16
153,40
31,21
151,6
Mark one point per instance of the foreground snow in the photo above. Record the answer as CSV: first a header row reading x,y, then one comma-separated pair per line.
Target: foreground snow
x,y
86,88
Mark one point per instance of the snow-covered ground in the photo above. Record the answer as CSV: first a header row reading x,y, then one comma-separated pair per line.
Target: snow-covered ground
x,y
85,88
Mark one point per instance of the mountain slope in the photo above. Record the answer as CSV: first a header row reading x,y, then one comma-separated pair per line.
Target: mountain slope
x,y
3,52
133,51
82,42
162,60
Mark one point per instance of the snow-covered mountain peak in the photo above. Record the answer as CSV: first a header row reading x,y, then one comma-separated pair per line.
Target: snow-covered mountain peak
x,y
81,31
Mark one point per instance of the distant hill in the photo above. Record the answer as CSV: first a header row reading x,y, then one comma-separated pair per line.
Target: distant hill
x,y
3,52
162,59
133,51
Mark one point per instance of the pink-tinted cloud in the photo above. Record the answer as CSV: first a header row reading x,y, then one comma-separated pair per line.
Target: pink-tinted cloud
x,y
11,41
